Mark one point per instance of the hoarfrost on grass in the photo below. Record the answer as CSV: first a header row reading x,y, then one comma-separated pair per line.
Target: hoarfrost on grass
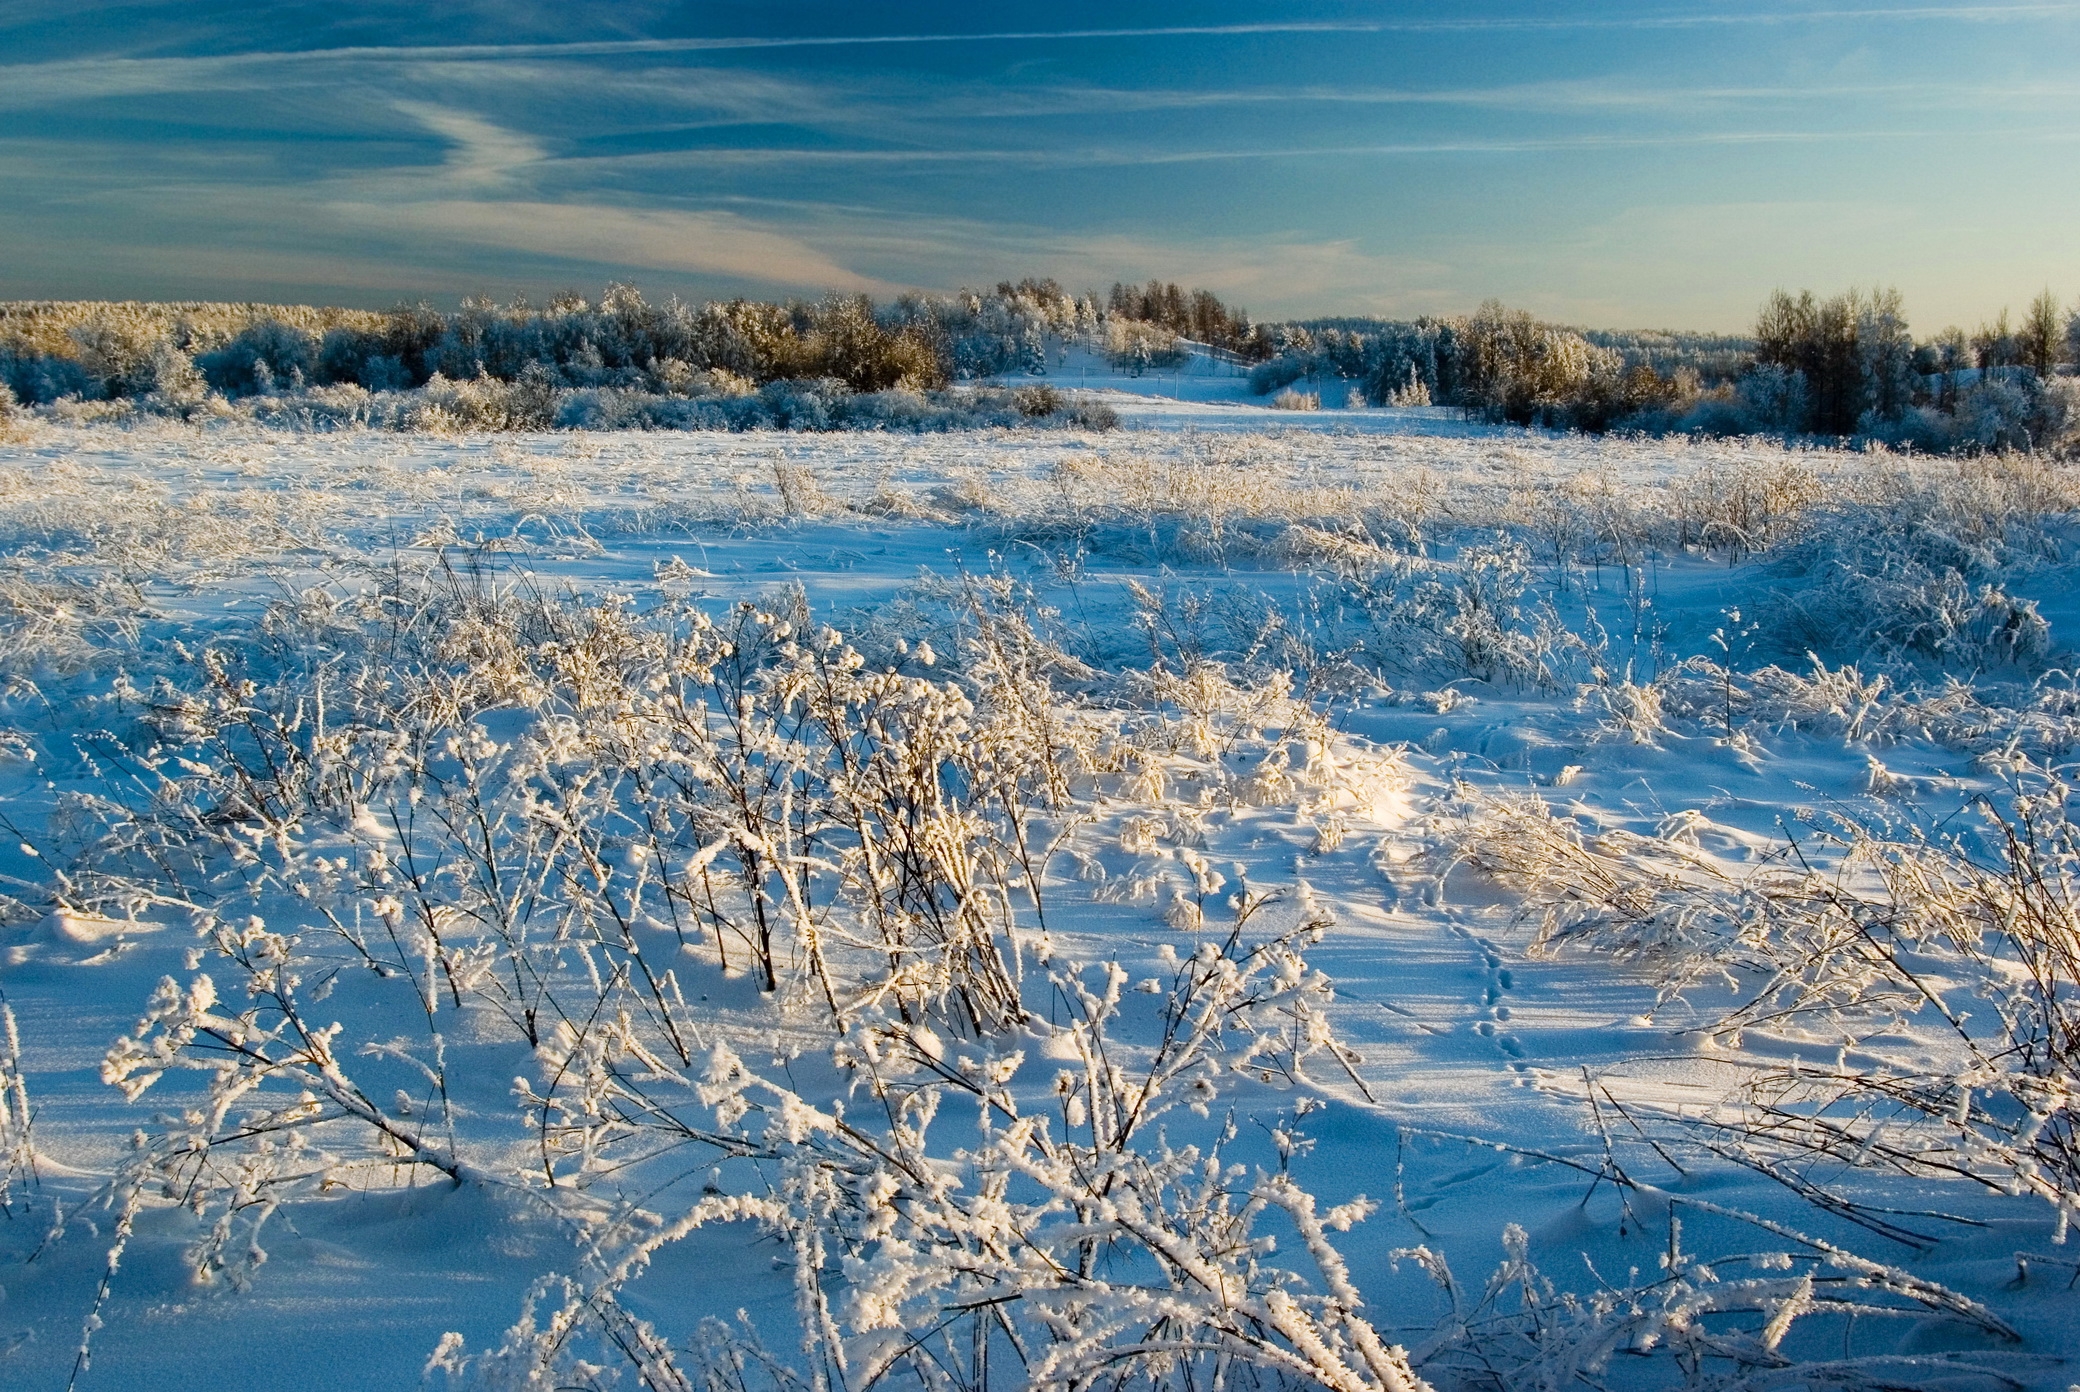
x,y
1090,903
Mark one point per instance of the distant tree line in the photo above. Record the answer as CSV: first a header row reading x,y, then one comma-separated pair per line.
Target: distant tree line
x,y
1503,365
1198,315
915,342
50,351
1839,367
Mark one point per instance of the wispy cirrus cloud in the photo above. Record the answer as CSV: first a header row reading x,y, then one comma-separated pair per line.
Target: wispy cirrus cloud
x,y
1394,159
704,243
480,152
1749,17
114,73
1044,158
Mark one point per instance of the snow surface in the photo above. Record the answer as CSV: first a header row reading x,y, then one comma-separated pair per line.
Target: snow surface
x,y
1466,1036
1210,393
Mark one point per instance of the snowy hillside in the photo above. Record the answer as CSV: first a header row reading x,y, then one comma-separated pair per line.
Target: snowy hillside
x,y
1338,898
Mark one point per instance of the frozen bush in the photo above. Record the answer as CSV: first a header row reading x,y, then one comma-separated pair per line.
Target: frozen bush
x,y
1918,429
1993,914
173,385
266,356
486,403
1721,412
1774,398
1051,1246
40,378
1997,414
1039,399
610,408
1809,948
1267,377
798,405
1748,509
1906,584
116,352
1090,415
342,407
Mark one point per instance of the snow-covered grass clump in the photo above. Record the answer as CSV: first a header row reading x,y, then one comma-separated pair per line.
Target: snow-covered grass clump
x,y
1049,910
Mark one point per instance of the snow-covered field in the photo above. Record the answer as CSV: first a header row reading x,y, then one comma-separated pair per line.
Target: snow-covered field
x,y
1207,393
1579,865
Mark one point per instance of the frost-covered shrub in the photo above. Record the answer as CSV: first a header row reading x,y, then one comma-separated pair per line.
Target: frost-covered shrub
x,y
799,405
266,356
532,813
1998,414
1821,948
1910,613
612,408
486,403
1293,400
117,351
40,378
1774,398
1388,615
1909,583
342,407
171,384
1268,377
1077,1239
1721,412
1751,508
1039,399
2040,718
1090,415
1917,430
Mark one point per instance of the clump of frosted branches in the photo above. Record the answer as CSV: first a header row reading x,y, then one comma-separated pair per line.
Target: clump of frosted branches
x,y
1061,1246
1897,930
534,779
1989,943
446,810
1724,1322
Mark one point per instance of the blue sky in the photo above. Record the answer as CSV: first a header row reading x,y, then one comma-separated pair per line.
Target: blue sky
x,y
1634,165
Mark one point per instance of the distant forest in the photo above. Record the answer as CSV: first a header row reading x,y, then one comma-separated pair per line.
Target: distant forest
x,y
1844,367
